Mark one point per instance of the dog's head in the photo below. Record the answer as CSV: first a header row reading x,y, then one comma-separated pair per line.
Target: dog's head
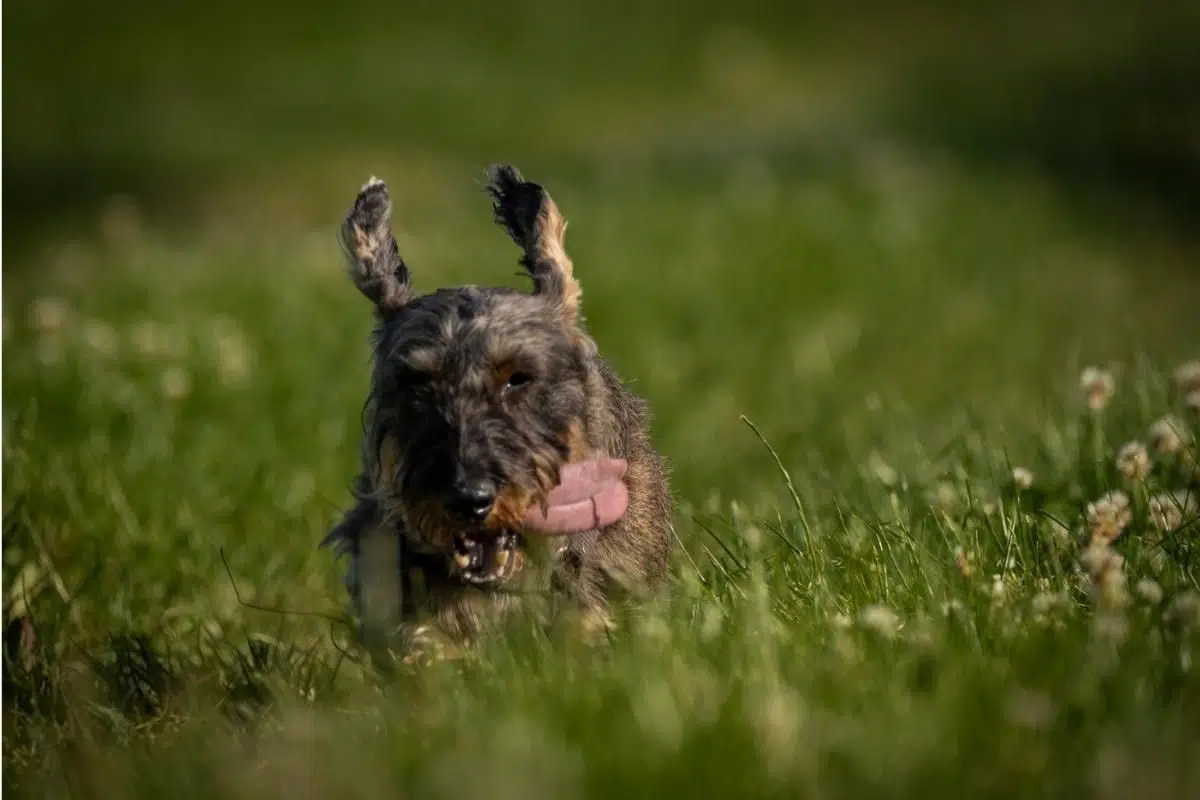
x,y
478,395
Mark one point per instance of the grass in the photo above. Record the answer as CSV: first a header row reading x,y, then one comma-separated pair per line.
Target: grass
x,y
849,336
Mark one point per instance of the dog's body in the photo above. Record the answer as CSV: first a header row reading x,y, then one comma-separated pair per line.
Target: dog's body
x,y
480,399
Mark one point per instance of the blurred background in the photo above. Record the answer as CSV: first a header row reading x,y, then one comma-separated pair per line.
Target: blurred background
x,y
800,212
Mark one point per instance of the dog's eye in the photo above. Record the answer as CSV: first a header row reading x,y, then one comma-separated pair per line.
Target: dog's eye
x,y
517,380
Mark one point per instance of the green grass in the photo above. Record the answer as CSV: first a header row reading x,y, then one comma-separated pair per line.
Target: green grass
x,y
849,335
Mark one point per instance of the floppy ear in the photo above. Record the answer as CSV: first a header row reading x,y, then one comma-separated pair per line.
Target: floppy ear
x,y
527,212
372,255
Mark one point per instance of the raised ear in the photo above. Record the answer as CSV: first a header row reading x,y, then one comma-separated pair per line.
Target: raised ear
x,y
372,255
533,221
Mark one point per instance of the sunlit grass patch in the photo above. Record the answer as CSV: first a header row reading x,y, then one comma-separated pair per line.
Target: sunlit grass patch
x,y
871,635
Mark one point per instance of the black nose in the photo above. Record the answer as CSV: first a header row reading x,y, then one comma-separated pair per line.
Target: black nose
x,y
473,498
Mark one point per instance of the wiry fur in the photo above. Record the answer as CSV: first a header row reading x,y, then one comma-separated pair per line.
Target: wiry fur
x,y
474,383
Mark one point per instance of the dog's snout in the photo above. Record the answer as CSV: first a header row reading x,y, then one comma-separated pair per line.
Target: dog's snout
x,y
473,498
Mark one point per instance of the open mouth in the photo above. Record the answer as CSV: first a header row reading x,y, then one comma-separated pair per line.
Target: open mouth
x,y
486,558
590,495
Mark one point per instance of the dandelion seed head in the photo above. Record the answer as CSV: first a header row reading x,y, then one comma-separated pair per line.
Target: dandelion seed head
x,y
1097,386
1133,461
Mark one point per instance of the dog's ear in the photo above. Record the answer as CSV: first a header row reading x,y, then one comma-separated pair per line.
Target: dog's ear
x,y
527,212
372,255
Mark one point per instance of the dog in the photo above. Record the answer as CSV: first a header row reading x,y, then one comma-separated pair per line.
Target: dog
x,y
502,458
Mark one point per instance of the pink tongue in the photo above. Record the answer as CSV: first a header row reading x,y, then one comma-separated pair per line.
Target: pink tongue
x,y
589,495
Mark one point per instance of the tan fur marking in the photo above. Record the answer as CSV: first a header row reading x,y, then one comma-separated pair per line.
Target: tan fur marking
x,y
365,245
429,525
579,447
424,359
389,459
512,503
551,246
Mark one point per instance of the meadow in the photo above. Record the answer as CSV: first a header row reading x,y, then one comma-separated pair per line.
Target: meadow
x,y
912,294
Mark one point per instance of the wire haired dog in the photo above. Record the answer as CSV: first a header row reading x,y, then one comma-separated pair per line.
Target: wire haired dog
x,y
501,454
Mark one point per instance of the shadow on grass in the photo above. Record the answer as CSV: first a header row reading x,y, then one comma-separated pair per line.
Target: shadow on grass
x,y
1122,128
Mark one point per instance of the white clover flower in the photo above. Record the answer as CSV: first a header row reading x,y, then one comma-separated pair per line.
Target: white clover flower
x,y
880,619
1167,435
1097,386
1149,591
176,383
1022,478
1187,377
1133,461
49,314
100,337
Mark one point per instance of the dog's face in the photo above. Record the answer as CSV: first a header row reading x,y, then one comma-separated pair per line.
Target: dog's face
x,y
478,395
477,401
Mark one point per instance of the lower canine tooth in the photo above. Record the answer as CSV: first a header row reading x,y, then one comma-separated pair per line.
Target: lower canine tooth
x,y
501,558
462,559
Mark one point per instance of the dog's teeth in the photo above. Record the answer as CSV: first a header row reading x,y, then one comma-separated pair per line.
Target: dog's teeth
x,y
462,559
501,558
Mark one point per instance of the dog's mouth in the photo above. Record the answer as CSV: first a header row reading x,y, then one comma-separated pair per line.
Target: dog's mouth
x,y
486,558
590,495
